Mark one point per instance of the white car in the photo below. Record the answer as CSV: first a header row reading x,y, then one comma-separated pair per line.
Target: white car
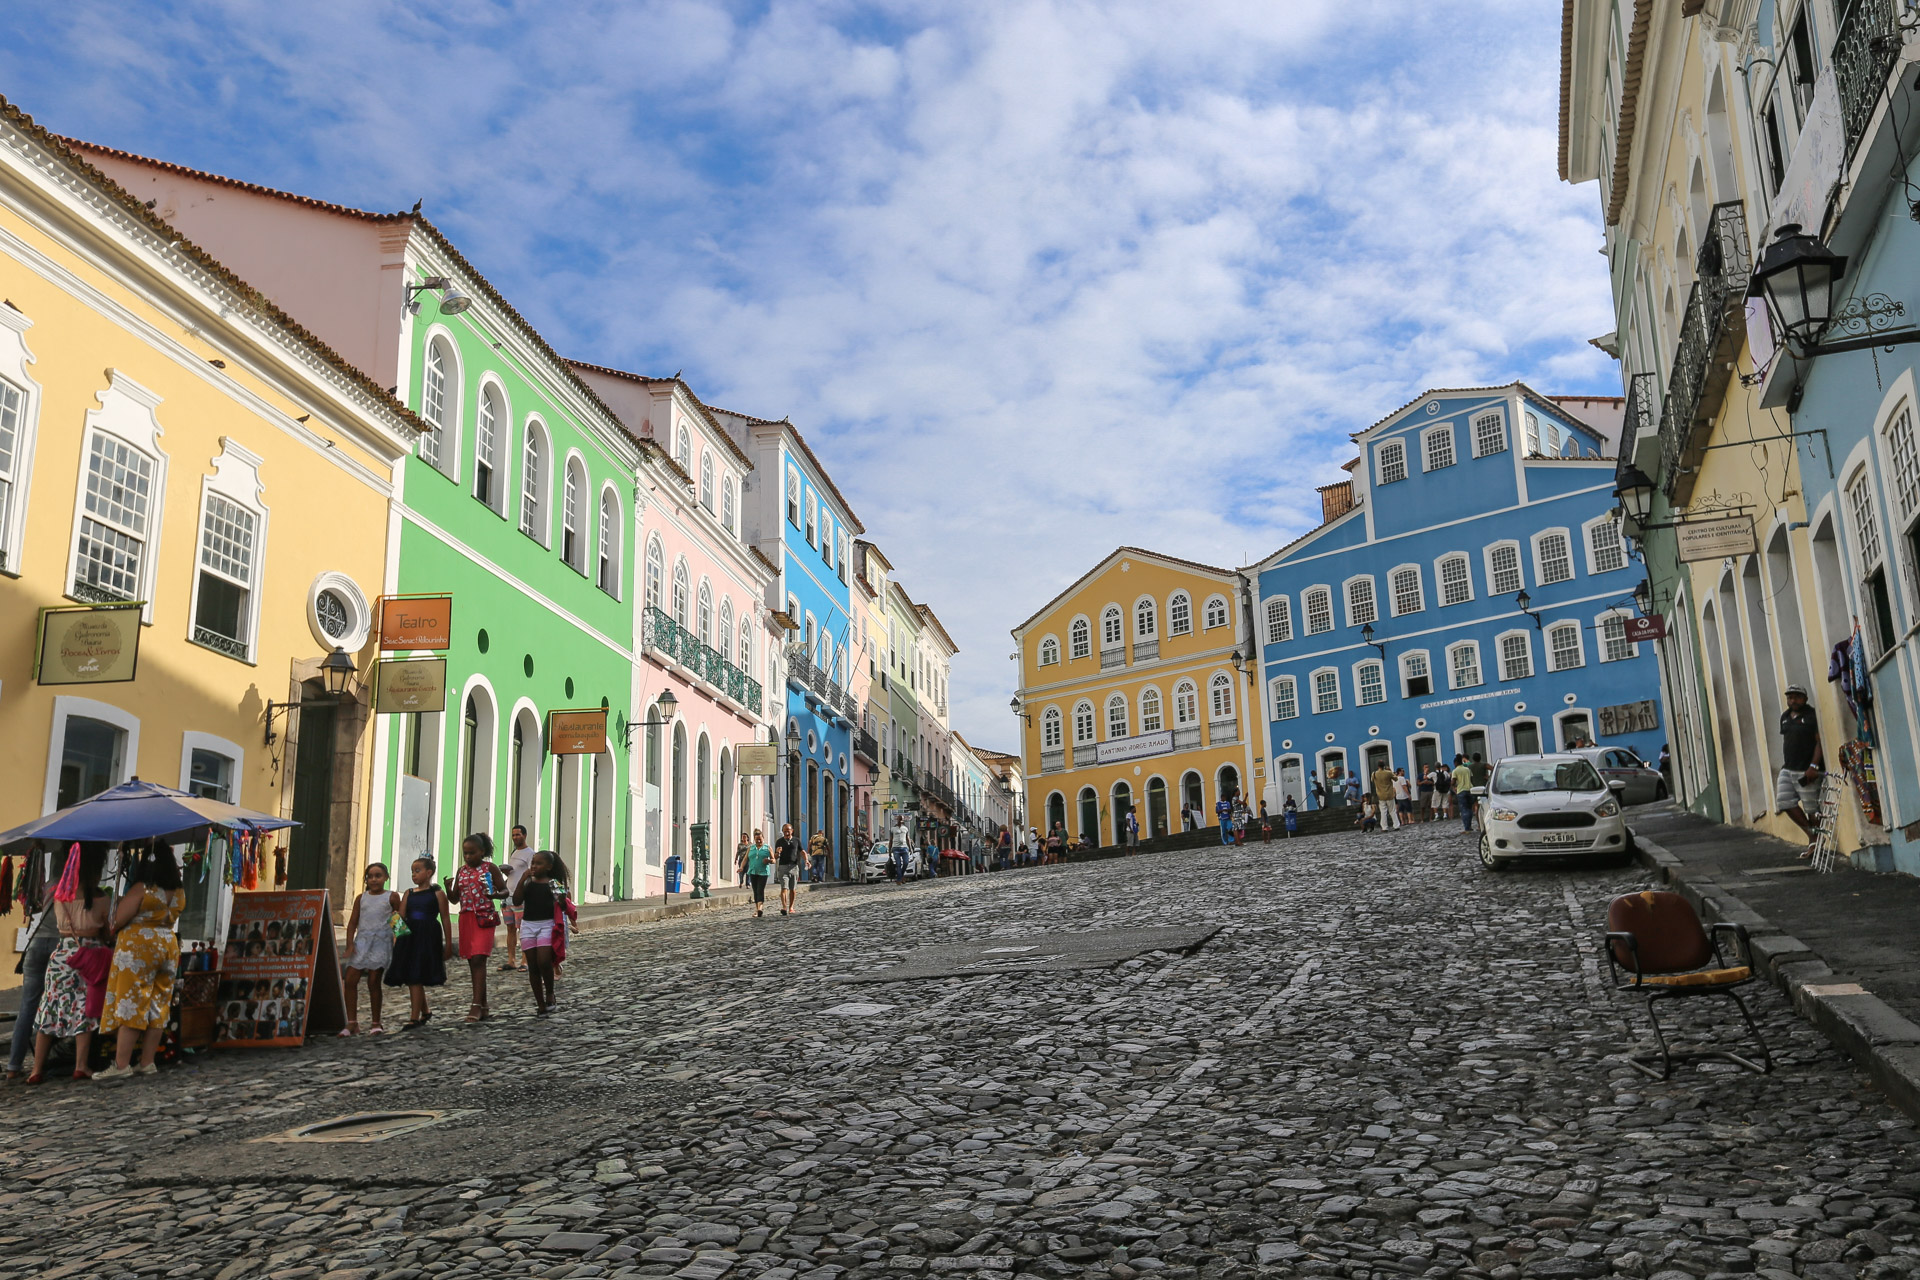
x,y
1550,806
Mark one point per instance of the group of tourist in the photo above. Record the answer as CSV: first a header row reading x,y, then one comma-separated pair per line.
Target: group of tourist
x,y
406,939
100,961
1393,800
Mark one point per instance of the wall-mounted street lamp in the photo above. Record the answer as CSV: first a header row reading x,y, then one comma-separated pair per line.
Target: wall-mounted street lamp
x,y
336,673
452,301
665,704
1643,596
1366,637
1017,710
1523,600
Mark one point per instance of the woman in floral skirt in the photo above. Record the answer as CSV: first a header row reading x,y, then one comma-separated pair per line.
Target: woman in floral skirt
x,y
146,956
81,912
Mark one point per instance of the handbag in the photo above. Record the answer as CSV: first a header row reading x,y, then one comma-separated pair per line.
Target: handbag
x,y
92,964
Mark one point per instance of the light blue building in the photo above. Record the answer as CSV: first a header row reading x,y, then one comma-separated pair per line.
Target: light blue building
x,y
1467,591
799,521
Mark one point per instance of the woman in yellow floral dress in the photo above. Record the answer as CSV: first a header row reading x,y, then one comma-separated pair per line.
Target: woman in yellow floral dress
x,y
146,956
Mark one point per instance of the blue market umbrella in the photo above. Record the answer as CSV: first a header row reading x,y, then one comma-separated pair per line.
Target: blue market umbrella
x,y
139,810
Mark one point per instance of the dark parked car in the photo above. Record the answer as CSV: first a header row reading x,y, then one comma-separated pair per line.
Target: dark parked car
x,y
1622,764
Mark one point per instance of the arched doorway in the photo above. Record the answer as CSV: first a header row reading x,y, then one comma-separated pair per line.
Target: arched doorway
x,y
1192,795
1292,781
1056,812
1473,744
566,816
1122,806
1378,756
677,800
1229,782
724,840
1739,708
812,821
1732,780
1523,737
1089,815
702,806
843,868
1156,807
1765,673
1332,766
476,764
600,824
524,780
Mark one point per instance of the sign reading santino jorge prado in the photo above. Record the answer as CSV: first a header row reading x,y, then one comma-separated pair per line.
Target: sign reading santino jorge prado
x,y
89,645
416,622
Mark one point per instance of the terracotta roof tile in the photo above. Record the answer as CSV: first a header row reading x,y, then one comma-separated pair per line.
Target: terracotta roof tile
x,y
818,466
705,412
1104,561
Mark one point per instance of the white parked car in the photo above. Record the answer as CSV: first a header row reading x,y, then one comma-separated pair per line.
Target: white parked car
x,y
1644,782
1550,806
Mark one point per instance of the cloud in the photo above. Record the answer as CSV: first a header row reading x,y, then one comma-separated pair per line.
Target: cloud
x,y
1036,277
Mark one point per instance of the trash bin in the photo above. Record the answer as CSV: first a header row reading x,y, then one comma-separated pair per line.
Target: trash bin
x,y
673,874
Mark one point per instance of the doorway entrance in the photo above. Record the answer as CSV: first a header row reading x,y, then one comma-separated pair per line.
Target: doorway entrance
x,y
1056,812
1575,730
1473,742
1156,807
1333,772
1089,815
1525,737
1229,782
1292,782
1379,756
312,798
1122,806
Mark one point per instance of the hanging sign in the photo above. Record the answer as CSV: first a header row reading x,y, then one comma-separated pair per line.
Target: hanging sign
x,y
405,685
577,733
416,622
1715,539
280,977
756,759
1651,627
89,645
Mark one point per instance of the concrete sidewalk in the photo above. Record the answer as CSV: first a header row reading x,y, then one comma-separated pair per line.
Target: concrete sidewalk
x,y
1842,944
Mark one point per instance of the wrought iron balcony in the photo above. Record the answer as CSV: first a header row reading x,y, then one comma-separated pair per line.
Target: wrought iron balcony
x,y
1221,732
1710,335
1641,426
865,744
1186,738
1865,52
1110,658
666,637
1146,650
799,668
93,593
208,638
1084,754
1053,761
817,677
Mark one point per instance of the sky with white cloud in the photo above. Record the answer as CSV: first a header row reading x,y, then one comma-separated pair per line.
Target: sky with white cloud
x,y
1037,278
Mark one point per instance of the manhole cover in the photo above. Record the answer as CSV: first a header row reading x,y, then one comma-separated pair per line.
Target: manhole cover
x,y
364,1126
1098,949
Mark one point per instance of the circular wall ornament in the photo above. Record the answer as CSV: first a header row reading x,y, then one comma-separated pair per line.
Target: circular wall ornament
x,y
1466,715
1373,731
1433,406
1421,723
1519,706
1287,745
1570,698
337,613
1329,737
1136,771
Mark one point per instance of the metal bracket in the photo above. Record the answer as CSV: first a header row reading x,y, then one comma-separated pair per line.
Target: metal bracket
x,y
1792,435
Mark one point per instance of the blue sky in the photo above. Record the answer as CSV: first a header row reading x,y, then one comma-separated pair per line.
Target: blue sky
x,y
1036,278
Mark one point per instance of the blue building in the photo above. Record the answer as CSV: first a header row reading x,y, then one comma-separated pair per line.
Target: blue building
x,y
801,523
1466,591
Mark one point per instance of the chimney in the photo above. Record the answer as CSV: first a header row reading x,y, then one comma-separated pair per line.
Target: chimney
x,y
1335,500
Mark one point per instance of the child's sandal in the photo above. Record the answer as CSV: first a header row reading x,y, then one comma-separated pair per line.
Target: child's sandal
x,y
352,1029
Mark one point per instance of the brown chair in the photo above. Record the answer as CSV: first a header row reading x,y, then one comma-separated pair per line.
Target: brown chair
x,y
1655,943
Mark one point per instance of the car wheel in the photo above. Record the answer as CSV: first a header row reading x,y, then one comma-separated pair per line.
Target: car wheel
x,y
1487,859
1660,791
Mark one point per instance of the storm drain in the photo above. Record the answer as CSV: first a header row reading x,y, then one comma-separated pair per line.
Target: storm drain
x,y
1054,952
365,1126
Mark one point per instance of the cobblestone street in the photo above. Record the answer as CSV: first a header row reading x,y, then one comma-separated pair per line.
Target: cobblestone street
x,y
1384,1062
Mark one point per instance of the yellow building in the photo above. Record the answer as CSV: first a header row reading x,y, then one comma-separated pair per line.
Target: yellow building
x,y
172,445
1133,684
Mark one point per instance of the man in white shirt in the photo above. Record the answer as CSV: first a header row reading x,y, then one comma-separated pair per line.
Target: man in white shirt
x,y
517,863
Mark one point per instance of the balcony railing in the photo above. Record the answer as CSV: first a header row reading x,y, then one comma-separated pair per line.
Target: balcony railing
x,y
1710,333
1110,658
211,639
96,594
1084,754
865,744
660,634
1864,54
817,677
1186,738
1053,761
799,668
1146,650
1221,732
1642,423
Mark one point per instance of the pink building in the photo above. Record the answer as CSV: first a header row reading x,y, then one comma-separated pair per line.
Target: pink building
x,y
707,635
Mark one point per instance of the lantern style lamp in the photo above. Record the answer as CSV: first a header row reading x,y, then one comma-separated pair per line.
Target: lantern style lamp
x,y
337,669
1796,274
1635,492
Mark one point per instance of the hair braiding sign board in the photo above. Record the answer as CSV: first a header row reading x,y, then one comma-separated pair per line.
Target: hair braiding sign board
x,y
280,974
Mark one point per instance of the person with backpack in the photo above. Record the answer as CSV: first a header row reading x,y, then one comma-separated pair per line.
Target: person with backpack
x,y
787,855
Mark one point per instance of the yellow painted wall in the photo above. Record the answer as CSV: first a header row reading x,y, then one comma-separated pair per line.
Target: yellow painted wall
x,y
94,310
1199,655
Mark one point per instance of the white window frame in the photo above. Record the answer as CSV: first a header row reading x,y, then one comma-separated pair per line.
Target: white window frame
x,y
1525,637
1321,706
1600,621
1406,677
1073,636
1152,719
1589,530
1390,461
574,466
1289,688
706,481
1049,651
541,481
1540,578
729,510
1279,615
499,470
1453,672
1053,733
1427,440
66,707
192,741
1186,704
609,542
1519,567
813,520
1117,702
653,589
446,439
1360,672
1499,417
1579,646
793,496
1307,600
1179,614
1207,622
1215,683
1440,577
1146,618
126,415
1393,590
15,359
1090,722
236,478
1373,600
1115,615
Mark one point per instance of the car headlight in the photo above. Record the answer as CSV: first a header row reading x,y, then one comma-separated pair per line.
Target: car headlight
x,y
1503,815
1608,808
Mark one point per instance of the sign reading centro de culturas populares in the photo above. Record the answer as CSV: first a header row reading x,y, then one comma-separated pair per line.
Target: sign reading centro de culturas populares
x,y
88,645
416,622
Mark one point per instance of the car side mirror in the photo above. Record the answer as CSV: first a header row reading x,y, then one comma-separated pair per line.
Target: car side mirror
x,y
1617,784
1479,791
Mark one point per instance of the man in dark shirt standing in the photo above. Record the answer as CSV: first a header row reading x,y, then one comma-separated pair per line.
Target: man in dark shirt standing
x,y
1801,764
786,853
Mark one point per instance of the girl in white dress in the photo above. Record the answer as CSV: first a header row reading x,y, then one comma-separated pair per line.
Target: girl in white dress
x,y
369,946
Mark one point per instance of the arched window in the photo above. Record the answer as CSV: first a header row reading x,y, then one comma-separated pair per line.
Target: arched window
x,y
1049,652
682,589
1326,691
1146,620
726,629
1116,717
1080,638
1406,591
706,482
726,503
1050,728
703,618
1605,551
1221,697
656,573
1111,635
746,645
1186,703
1150,711
1179,614
573,537
486,435
1216,612
1279,620
533,485
1456,579
1082,723
683,449
436,445
1319,605
1360,607
608,568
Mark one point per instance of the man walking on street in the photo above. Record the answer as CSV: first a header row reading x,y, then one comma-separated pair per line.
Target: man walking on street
x,y
787,854
1133,829
1383,798
519,858
1224,808
1463,791
1797,786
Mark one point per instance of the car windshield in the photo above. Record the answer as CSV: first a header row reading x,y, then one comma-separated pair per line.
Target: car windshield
x,y
1518,777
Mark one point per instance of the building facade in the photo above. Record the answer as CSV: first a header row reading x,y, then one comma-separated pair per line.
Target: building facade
x,y
1467,592
202,489
1133,682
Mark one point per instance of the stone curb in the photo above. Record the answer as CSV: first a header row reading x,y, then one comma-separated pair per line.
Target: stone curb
x,y
1859,1023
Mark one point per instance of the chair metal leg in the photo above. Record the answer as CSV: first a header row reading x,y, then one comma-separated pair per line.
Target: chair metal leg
x,y
1643,1061
1666,1057
1766,1055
